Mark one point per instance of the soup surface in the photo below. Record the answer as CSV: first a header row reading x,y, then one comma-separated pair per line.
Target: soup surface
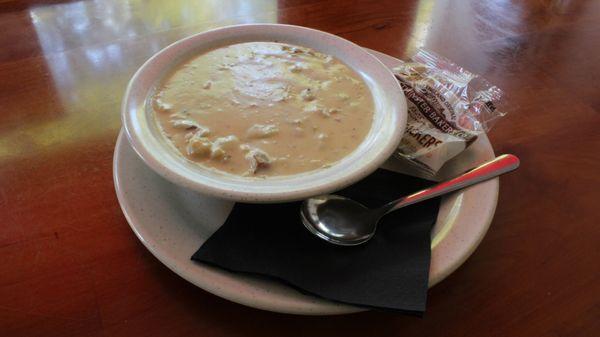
x,y
263,109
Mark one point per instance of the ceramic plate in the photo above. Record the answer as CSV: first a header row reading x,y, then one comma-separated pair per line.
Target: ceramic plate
x,y
173,222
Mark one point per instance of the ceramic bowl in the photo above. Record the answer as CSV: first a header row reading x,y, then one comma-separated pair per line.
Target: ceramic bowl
x,y
387,128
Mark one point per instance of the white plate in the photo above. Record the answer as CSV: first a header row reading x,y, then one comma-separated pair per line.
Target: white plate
x,y
173,222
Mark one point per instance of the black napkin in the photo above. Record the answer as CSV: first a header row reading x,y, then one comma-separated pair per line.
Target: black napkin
x,y
389,272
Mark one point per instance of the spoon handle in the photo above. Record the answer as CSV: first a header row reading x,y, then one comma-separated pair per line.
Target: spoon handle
x,y
500,165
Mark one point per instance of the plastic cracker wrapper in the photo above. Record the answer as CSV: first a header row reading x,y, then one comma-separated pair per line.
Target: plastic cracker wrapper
x,y
448,108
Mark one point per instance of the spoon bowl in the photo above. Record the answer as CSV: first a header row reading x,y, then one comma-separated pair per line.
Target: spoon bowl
x,y
339,220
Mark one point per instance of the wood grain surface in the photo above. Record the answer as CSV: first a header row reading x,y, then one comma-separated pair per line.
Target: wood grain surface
x,y
70,265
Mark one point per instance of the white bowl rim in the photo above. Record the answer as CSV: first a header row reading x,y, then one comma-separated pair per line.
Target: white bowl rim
x,y
247,189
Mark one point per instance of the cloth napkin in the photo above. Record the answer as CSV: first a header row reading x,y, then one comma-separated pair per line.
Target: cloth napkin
x,y
389,272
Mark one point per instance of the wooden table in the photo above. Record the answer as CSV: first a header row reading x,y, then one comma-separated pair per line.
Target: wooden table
x,y
70,265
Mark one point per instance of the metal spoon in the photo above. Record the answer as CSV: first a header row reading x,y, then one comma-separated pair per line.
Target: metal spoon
x,y
345,222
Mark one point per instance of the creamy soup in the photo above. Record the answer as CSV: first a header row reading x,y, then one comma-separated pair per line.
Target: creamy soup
x,y
263,109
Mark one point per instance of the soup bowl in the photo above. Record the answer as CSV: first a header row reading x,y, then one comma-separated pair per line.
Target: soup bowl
x,y
387,127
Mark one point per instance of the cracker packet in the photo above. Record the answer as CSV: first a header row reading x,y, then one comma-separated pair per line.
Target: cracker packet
x,y
448,109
